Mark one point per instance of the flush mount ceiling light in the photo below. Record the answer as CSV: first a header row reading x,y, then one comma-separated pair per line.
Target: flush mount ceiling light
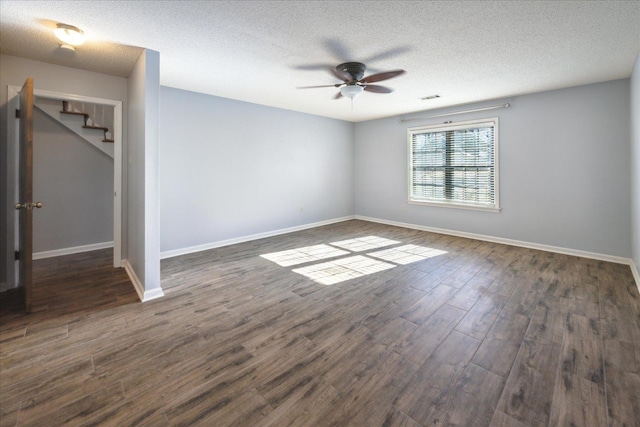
x,y
67,48
69,35
351,91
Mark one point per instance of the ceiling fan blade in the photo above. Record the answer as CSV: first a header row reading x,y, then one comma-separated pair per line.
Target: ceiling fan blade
x,y
382,76
342,75
315,87
312,67
378,89
388,54
338,95
337,49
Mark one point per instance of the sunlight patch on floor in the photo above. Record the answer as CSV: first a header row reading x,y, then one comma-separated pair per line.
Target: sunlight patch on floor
x,y
351,266
407,254
302,255
332,272
364,243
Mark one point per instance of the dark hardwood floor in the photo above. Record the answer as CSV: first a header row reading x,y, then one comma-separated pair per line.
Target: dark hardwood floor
x,y
354,323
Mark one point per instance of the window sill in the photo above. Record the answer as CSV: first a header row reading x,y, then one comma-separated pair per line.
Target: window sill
x,y
495,209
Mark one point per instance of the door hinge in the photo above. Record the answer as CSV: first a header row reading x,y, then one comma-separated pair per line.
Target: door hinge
x,y
17,113
17,256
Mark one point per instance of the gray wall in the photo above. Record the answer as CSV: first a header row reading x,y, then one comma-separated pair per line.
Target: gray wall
x,y
230,169
74,180
564,171
14,71
635,163
142,165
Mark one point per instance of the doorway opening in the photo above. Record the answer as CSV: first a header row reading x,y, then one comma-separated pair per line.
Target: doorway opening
x,y
12,156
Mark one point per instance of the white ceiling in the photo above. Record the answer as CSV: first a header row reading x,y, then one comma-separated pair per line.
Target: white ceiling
x,y
261,51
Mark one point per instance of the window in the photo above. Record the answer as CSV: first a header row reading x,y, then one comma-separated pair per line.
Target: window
x,y
455,165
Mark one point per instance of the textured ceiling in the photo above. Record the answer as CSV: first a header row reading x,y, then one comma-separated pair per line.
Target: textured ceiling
x,y
261,51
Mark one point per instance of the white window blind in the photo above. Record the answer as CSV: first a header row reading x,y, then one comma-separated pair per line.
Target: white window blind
x,y
454,164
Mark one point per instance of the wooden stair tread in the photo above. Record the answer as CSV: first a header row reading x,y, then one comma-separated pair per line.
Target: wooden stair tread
x,y
96,127
75,113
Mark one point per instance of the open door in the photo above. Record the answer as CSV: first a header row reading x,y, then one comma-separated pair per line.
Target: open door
x,y
25,191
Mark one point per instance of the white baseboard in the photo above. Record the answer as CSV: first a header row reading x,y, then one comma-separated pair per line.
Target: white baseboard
x,y
153,294
236,240
636,273
72,250
139,286
511,242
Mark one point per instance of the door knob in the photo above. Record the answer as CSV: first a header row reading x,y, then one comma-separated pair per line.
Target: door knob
x,y
36,205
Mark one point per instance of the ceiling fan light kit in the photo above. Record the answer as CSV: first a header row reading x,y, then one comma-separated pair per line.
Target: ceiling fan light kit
x,y
351,91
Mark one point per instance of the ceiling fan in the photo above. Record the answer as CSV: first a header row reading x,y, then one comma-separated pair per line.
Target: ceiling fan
x,y
354,82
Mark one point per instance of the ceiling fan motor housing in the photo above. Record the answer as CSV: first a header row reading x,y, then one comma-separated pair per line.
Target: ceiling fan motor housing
x,y
356,69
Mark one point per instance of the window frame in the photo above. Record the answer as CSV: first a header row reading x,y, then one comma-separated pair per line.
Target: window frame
x,y
443,127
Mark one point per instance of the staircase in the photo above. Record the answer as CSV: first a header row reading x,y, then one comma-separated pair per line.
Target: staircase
x,y
68,108
92,122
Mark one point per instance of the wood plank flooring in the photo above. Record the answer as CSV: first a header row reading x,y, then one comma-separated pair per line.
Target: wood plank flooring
x,y
425,330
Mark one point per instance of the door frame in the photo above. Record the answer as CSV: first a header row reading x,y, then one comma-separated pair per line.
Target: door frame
x,y
13,103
